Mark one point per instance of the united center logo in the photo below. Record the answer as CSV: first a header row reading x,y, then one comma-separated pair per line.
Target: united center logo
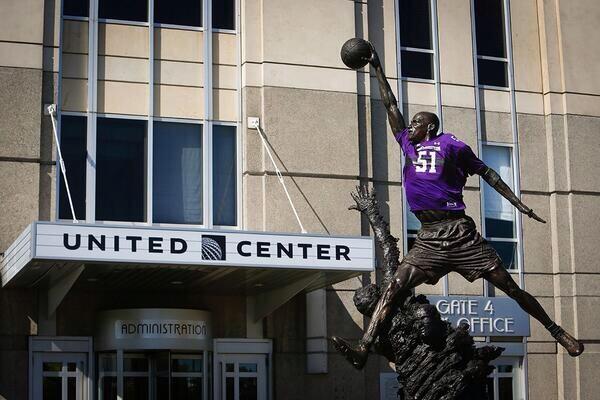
x,y
213,247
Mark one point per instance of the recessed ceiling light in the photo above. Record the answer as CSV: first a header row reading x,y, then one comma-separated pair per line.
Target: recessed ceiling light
x,y
176,282
259,284
92,279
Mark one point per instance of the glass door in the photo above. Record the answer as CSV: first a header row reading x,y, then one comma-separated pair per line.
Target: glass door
x,y
243,377
156,375
59,376
504,383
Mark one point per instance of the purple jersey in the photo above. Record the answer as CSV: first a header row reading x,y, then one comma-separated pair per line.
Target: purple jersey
x,y
436,170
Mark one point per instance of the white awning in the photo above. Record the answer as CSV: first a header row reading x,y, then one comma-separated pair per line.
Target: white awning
x,y
60,255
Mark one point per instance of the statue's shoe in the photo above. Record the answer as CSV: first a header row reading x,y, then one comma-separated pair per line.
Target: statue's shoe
x,y
573,346
357,356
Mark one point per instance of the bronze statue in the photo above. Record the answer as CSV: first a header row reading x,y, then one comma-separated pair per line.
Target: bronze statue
x,y
435,172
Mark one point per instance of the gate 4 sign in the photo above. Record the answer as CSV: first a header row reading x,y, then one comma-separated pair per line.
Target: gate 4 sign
x,y
487,316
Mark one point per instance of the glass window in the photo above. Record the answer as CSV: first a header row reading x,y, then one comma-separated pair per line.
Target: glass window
x,y
76,8
186,364
135,363
52,387
223,14
177,173
130,10
186,376
415,33
120,170
410,242
412,224
503,382
492,72
499,214
415,24
186,388
507,252
73,133
178,12
224,175
489,24
107,376
417,64
248,388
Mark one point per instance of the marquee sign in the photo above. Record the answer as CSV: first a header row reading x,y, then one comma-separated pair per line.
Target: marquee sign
x,y
186,246
487,316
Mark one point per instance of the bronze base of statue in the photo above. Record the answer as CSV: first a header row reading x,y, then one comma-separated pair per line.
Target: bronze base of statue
x,y
433,360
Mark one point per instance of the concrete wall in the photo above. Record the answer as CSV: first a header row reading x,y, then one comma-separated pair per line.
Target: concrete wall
x,y
26,171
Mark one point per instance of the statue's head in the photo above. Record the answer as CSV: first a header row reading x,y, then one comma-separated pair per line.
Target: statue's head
x,y
424,125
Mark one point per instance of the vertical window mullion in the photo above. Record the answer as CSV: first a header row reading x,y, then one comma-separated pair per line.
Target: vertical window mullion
x,y
59,113
91,112
150,124
515,133
207,174
398,23
208,113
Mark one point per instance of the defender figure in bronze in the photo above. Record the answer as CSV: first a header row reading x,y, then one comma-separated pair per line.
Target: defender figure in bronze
x,y
435,172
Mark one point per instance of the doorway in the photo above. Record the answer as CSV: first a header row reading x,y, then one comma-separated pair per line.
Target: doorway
x,y
242,369
505,382
243,377
153,375
60,367
59,376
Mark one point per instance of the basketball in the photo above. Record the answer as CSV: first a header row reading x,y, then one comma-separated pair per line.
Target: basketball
x,y
356,53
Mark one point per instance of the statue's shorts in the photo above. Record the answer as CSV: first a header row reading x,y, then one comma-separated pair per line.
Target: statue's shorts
x,y
452,245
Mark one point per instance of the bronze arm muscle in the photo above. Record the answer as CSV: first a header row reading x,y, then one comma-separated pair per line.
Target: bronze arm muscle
x,y
494,180
395,117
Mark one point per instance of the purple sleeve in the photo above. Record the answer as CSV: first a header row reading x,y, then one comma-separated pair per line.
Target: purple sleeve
x,y
469,161
402,138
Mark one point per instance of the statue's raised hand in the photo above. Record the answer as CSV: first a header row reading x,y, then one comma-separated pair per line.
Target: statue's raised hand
x,y
364,198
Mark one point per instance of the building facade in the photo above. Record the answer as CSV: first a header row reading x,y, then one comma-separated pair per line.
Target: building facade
x,y
153,105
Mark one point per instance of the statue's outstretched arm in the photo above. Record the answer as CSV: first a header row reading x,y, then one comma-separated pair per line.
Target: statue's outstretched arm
x,y
494,180
395,117
366,203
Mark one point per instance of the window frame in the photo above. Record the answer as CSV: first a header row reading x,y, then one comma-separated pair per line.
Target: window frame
x,y
517,375
90,190
518,263
207,122
478,56
433,20
162,25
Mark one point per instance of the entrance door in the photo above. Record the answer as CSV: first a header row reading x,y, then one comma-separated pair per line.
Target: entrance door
x,y
59,376
504,383
243,377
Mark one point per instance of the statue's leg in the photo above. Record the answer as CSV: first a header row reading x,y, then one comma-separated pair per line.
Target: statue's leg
x,y
501,279
406,277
